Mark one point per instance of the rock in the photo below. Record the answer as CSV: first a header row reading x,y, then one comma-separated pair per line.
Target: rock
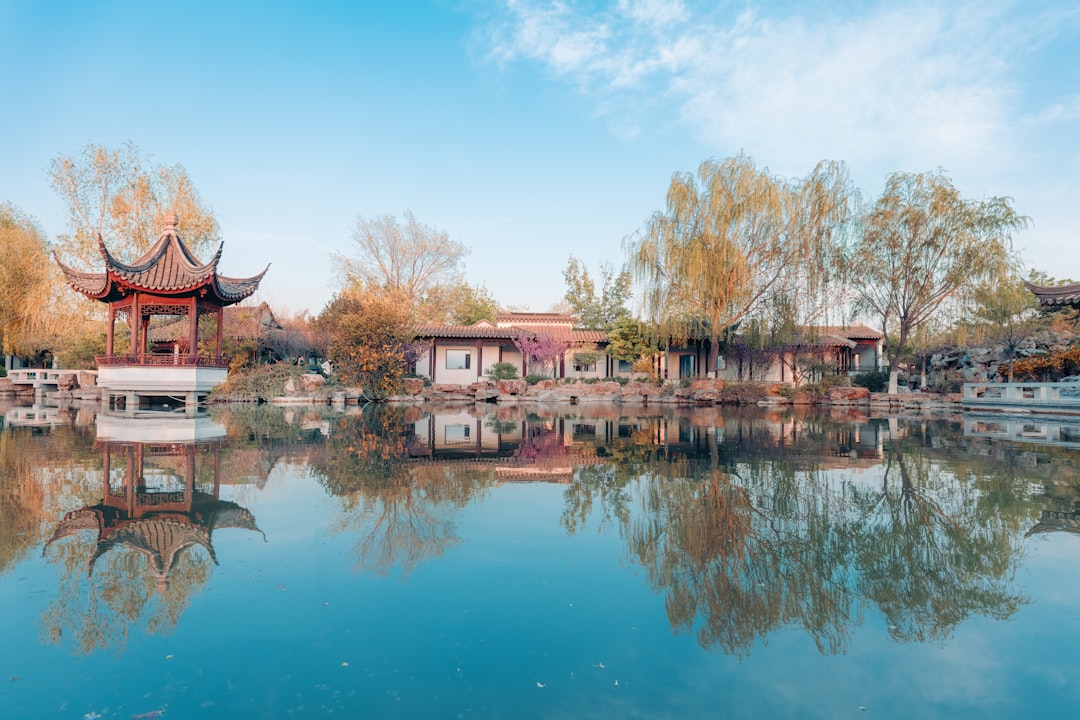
x,y
87,378
290,386
547,396
311,381
414,386
847,395
513,387
67,381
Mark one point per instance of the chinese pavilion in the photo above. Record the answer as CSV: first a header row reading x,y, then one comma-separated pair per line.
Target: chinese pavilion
x,y
1056,296
167,282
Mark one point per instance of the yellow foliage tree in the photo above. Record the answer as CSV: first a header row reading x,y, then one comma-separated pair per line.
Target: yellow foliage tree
x,y
123,197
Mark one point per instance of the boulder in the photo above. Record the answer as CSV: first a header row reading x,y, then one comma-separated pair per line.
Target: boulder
x,y
513,387
414,386
87,378
67,381
311,381
290,386
847,395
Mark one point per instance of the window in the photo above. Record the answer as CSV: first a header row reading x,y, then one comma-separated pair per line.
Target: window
x,y
721,362
585,367
458,359
456,434
624,366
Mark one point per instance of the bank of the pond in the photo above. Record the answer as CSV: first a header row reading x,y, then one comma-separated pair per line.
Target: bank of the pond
x,y
312,388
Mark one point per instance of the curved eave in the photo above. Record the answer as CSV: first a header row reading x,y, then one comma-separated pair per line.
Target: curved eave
x,y
93,285
1060,295
232,290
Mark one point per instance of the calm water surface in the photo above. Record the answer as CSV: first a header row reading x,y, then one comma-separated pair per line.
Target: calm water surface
x,y
270,563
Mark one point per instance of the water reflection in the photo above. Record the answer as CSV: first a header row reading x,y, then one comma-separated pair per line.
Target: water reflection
x,y
139,554
745,523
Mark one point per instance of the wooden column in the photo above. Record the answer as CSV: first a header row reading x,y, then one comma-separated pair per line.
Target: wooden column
x,y
479,357
109,330
136,325
220,328
193,330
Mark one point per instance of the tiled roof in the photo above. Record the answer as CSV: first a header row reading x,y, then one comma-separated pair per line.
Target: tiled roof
x,y
1056,296
506,317
486,332
851,332
167,268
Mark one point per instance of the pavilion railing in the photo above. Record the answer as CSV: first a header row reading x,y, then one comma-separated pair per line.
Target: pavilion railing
x,y
162,359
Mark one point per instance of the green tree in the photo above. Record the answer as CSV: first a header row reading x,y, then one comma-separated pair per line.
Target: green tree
x,y
596,308
628,340
731,235
122,197
469,304
921,244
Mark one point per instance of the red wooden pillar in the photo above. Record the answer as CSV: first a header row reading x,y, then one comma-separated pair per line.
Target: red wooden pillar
x,y
109,330
136,325
220,328
193,330
479,357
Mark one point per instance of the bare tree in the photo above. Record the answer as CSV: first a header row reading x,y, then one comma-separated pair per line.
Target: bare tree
x,y
412,261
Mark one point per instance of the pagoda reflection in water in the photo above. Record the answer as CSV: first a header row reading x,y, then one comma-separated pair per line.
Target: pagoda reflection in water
x,y
160,503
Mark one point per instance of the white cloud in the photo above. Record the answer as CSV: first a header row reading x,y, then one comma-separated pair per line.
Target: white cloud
x,y
916,86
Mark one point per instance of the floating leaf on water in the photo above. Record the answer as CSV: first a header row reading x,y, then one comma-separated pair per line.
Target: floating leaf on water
x,y
540,684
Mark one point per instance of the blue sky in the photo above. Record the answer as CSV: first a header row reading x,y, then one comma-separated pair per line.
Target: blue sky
x,y
532,131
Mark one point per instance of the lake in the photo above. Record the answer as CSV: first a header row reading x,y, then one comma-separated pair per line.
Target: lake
x,y
523,562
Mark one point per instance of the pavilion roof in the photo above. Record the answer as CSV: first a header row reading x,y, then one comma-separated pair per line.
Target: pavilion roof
x,y
1056,296
168,269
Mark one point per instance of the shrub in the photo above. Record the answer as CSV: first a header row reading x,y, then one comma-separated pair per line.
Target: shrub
x,y
741,393
872,380
502,371
533,379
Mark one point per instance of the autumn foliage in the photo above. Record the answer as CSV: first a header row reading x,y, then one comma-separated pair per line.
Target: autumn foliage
x,y
1057,364
369,341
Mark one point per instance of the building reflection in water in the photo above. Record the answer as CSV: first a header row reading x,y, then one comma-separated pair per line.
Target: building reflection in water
x,y
160,503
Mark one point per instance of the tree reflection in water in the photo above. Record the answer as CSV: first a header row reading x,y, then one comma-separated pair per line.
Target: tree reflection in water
x,y
404,513
796,529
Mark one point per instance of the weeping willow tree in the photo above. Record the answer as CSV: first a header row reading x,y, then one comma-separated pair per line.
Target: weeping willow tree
x,y
36,312
922,244
732,236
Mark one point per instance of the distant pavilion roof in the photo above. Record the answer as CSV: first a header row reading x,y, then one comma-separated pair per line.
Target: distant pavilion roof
x,y
245,322
1056,296
168,269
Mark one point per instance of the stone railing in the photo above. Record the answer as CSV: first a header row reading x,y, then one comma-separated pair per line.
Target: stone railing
x,y
1023,394
162,359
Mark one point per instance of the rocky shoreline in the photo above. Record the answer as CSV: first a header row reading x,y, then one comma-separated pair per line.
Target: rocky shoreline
x,y
702,392
697,393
